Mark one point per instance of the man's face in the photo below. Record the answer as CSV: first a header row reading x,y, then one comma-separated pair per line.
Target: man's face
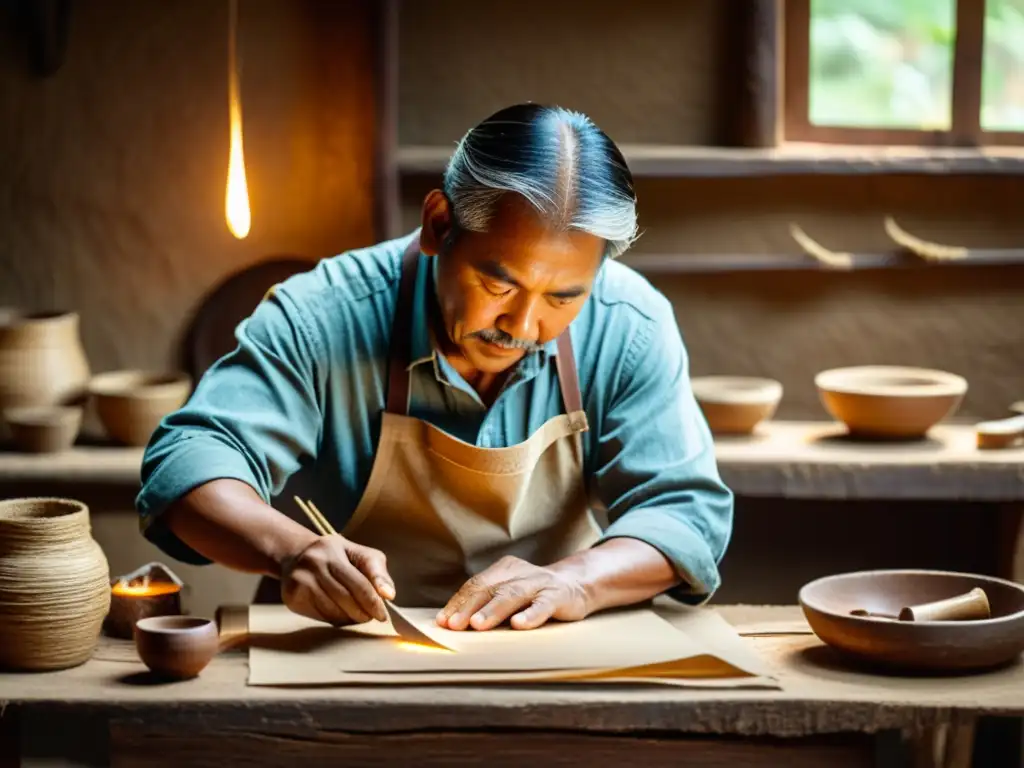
x,y
505,293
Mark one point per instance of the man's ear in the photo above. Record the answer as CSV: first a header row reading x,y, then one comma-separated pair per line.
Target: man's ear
x,y
436,222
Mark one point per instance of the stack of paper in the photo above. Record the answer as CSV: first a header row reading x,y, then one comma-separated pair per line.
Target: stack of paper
x,y
668,644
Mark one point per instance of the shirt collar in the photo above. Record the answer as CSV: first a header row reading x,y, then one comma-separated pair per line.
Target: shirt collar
x,y
423,347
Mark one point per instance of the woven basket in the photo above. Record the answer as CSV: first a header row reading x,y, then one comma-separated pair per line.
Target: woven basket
x,y
54,584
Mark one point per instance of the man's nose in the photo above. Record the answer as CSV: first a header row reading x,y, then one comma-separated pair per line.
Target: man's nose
x,y
521,320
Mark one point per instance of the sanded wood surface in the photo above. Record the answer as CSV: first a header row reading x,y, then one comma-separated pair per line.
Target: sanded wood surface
x,y
784,458
819,695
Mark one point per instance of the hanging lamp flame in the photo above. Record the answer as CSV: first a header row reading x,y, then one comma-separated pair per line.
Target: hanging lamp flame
x,y
236,199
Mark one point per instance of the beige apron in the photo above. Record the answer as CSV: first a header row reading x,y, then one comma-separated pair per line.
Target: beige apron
x,y
443,510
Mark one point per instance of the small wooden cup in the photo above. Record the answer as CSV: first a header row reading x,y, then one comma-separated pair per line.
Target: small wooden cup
x,y
176,647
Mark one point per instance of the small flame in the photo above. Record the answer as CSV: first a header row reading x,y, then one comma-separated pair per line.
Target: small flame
x,y
144,589
236,198
408,645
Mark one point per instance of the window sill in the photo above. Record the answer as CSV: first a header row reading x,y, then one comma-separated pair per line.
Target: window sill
x,y
669,161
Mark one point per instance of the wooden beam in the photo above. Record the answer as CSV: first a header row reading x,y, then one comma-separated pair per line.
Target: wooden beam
x,y
752,63
968,59
388,203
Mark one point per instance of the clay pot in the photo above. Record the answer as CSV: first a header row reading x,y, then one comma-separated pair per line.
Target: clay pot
x,y
939,647
176,647
735,405
42,361
890,402
44,429
54,584
131,404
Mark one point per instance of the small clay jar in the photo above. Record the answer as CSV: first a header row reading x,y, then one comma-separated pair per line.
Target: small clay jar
x,y
42,360
54,584
176,647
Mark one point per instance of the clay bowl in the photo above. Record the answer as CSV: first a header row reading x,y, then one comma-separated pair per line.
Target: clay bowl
x,y
929,647
881,402
44,429
176,647
735,405
131,404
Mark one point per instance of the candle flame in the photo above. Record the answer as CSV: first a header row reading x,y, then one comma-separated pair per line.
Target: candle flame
x,y
236,198
144,590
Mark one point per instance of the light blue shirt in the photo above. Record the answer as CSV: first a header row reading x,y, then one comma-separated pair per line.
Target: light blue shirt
x,y
306,385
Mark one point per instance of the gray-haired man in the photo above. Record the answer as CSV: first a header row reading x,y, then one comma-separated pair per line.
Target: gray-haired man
x,y
464,396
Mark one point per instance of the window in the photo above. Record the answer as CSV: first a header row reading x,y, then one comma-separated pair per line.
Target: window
x,y
922,72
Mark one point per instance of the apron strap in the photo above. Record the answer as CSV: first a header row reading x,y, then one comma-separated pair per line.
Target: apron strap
x,y
568,379
401,346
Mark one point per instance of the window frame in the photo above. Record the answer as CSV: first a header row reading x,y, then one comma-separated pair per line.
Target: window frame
x,y
965,129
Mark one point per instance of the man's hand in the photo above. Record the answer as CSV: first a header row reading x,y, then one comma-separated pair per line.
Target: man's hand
x,y
514,588
336,581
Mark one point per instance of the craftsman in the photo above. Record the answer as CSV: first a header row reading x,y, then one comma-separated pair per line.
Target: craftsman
x,y
463,397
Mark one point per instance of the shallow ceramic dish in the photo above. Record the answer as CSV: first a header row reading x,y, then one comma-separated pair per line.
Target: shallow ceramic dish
x,y
890,402
177,647
936,647
735,405
131,404
44,429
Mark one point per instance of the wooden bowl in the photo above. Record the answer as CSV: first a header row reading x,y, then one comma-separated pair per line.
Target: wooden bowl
x,y
131,404
177,647
933,647
44,429
890,402
735,405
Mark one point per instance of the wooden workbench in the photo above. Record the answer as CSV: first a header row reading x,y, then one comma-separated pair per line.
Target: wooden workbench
x,y
824,715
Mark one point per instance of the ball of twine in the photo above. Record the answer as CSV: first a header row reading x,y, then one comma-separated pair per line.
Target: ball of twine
x,y
54,584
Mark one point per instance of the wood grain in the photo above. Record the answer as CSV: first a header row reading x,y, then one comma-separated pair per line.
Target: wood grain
x,y
146,748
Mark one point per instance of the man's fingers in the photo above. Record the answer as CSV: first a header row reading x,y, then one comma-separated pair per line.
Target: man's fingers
x,y
542,609
359,589
473,596
338,592
508,598
374,565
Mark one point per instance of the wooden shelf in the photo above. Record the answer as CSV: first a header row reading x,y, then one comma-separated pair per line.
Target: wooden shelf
x,y
814,460
654,264
784,459
648,160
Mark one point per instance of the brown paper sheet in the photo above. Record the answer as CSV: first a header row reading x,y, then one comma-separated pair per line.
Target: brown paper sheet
x,y
288,650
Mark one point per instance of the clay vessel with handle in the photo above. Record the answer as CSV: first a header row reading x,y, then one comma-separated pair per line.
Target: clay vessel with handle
x,y
176,647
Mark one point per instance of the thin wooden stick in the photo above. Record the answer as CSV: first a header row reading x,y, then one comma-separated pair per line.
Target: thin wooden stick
x,y
327,526
312,518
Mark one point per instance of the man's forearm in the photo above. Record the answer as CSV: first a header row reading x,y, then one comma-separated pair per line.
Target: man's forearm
x,y
619,572
227,522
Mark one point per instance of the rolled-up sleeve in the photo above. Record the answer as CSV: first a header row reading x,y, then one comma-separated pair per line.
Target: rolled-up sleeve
x,y
656,472
253,417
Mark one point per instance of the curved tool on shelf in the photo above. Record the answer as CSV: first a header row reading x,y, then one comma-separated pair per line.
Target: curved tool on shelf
x,y
830,259
925,249
1001,433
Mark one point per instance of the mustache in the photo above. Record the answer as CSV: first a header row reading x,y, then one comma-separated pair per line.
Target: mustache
x,y
502,339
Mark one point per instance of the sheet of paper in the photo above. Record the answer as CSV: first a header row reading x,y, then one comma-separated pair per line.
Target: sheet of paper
x,y
289,650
